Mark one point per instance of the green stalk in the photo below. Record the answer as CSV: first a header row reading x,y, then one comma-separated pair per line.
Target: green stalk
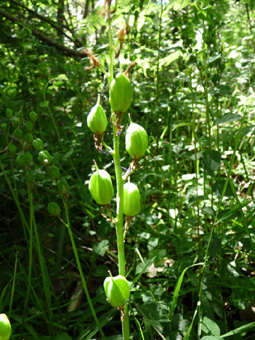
x,y
16,199
45,274
119,184
84,284
230,166
30,263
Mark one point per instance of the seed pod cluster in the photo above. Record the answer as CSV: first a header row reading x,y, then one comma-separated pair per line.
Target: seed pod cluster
x,y
117,289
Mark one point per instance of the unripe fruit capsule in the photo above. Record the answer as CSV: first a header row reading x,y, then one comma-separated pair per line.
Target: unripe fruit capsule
x,y
55,171
54,209
100,187
5,327
121,93
21,159
29,125
4,126
63,187
136,140
97,120
9,113
38,144
17,133
131,199
29,137
16,121
12,148
117,290
30,176
44,157
33,116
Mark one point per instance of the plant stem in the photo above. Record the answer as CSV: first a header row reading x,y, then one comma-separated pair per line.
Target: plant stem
x,y
119,184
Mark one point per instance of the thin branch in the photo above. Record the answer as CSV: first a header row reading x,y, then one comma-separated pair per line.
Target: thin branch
x,y
65,50
54,25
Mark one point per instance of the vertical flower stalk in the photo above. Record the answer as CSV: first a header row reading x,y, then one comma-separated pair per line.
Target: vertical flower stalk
x,y
117,288
119,185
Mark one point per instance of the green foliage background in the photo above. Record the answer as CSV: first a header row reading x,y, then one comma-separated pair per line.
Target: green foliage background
x,y
194,94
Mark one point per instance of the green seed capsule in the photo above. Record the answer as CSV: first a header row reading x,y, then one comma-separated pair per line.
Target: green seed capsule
x,y
4,126
121,93
21,159
17,133
131,200
30,176
33,116
16,121
9,113
29,137
5,327
29,125
55,171
100,187
97,120
54,209
63,187
136,140
28,157
117,290
44,157
38,144
12,149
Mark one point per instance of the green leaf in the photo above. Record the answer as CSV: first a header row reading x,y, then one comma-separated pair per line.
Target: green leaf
x,y
44,103
211,161
218,187
178,287
211,337
101,247
210,327
239,330
62,336
229,117
69,153
233,211
213,58
175,126
169,59
156,313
